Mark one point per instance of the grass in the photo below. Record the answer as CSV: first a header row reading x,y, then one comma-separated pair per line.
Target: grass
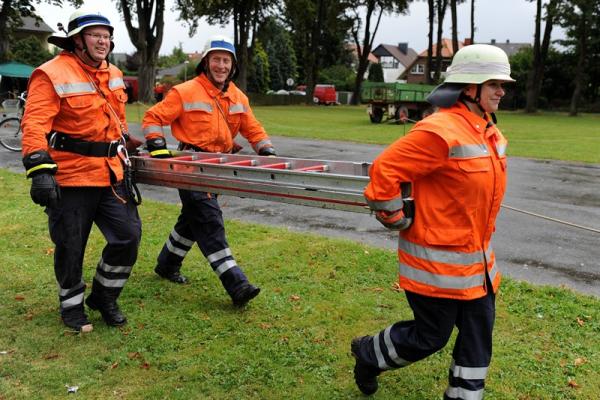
x,y
188,342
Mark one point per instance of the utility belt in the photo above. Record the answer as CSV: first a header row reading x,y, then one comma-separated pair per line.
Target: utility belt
x,y
63,142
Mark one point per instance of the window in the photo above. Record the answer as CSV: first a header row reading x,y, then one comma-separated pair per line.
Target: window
x,y
388,62
418,69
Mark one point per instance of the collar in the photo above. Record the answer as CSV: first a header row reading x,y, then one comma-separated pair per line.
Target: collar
x,y
478,123
89,68
211,89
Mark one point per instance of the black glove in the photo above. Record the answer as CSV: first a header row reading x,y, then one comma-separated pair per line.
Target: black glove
x,y
44,190
131,143
267,151
157,148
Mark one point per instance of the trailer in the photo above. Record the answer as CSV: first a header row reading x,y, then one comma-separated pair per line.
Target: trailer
x,y
397,102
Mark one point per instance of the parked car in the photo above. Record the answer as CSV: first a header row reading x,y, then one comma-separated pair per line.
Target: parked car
x,y
324,94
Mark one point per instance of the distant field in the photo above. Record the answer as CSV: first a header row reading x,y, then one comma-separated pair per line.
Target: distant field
x,y
544,135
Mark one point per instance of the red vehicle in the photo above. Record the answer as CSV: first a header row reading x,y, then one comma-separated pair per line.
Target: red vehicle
x,y
131,87
325,94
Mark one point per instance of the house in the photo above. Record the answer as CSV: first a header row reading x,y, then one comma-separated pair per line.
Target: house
x,y
415,73
394,59
510,48
37,28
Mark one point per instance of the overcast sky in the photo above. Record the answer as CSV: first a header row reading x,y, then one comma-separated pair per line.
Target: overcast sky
x,y
501,20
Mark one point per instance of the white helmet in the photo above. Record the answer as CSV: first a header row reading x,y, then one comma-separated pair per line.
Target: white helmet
x,y
78,21
474,64
222,43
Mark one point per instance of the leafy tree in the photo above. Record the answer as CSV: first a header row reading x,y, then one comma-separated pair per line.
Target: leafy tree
x,y
258,77
375,73
176,57
30,51
342,76
540,53
373,8
278,45
146,37
441,6
11,12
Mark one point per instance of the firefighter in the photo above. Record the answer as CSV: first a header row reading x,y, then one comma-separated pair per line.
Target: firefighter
x,y
74,130
205,114
455,163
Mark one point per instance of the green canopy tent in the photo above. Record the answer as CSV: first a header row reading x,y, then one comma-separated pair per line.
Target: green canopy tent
x,y
16,70
13,78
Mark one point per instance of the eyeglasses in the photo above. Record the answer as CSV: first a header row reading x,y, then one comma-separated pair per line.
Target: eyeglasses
x,y
98,36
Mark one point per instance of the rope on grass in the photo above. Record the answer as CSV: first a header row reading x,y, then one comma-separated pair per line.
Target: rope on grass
x,y
587,228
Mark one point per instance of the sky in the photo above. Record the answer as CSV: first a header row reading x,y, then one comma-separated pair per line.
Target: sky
x,y
494,19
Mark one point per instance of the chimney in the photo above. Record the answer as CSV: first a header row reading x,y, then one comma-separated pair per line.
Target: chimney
x,y
403,47
493,41
507,41
467,42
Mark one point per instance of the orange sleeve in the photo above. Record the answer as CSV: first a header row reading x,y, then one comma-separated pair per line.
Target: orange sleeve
x,y
43,104
406,160
162,114
250,128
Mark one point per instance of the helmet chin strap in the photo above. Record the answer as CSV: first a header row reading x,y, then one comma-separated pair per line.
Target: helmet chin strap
x,y
84,51
476,100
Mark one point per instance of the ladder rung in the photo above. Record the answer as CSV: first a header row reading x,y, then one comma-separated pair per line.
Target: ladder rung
x,y
283,165
314,168
243,163
183,158
216,160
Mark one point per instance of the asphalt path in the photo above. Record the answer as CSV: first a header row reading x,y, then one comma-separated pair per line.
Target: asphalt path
x,y
528,248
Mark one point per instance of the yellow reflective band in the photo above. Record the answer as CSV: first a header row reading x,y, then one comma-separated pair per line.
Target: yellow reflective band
x,y
160,152
41,166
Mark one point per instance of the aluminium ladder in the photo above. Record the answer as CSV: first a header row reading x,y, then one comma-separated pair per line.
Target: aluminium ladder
x,y
318,183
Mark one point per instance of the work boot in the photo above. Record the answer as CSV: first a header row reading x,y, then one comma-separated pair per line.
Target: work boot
x,y
365,375
75,318
170,274
109,309
244,293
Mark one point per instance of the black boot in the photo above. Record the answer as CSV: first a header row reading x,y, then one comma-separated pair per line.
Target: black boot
x,y
108,307
244,293
170,273
75,318
365,375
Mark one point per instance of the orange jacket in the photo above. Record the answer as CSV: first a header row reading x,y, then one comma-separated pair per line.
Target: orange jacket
x,y
457,165
191,110
61,98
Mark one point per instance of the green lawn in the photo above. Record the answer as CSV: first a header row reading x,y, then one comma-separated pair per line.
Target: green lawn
x,y
292,342
544,135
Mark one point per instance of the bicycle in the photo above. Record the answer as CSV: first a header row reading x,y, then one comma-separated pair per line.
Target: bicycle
x,y
10,126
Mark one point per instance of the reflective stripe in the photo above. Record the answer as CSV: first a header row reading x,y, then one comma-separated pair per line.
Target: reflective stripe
x,y
392,350
493,272
198,105
479,67
440,281
114,268
63,292
41,166
380,360
386,205
441,256
468,150
116,83
216,256
111,283
175,250
261,144
184,241
464,394
72,88
225,266
237,108
468,372
151,128
72,301
501,148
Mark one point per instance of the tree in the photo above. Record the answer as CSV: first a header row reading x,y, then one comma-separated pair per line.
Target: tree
x,y
11,12
176,57
372,8
147,39
279,47
430,19
453,4
246,16
441,6
540,53
30,51
472,36
258,77
342,76
375,73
